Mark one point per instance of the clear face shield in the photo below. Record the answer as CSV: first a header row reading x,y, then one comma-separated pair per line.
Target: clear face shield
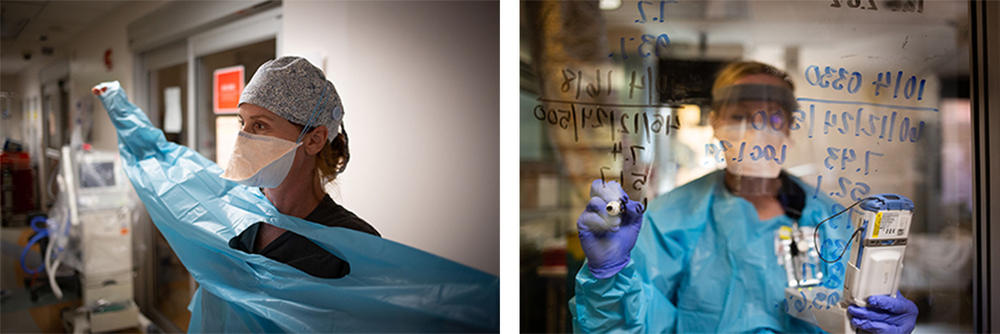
x,y
752,124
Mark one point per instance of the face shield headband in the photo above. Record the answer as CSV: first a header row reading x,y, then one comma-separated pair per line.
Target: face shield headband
x,y
755,92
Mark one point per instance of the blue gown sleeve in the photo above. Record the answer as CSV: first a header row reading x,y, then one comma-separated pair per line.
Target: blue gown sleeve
x,y
391,287
834,241
172,174
137,137
642,297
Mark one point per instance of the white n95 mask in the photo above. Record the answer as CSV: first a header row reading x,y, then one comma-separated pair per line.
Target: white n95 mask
x,y
752,152
260,161
264,161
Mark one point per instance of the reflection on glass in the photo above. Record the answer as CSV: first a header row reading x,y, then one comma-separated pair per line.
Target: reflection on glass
x,y
879,104
170,87
250,56
173,285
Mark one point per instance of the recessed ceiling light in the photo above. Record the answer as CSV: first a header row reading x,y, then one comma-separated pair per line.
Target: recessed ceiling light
x,y
609,4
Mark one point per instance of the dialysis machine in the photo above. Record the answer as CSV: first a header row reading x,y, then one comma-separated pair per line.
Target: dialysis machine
x,y
91,229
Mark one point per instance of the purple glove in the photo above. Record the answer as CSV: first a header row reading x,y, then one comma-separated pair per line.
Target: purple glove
x,y
885,314
608,228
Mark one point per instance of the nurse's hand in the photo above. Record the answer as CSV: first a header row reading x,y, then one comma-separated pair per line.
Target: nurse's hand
x,y
608,228
885,314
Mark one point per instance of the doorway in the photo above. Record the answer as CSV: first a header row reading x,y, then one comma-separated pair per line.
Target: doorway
x,y
176,92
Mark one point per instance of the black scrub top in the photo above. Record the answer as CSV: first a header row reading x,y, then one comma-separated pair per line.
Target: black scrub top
x,y
791,196
298,251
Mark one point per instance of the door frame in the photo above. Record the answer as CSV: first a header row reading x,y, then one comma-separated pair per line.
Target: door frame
x,y
251,26
985,61
260,27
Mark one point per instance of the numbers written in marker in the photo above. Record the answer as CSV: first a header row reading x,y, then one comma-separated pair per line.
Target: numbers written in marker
x,y
643,125
640,84
643,5
910,6
802,302
616,150
862,122
745,151
841,79
836,79
856,4
644,45
853,190
847,156
910,89
639,180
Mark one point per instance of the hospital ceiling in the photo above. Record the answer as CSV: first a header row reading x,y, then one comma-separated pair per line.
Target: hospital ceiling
x,y
41,28
792,23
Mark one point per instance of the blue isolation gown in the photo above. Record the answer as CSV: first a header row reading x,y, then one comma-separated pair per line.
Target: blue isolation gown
x,y
391,287
704,262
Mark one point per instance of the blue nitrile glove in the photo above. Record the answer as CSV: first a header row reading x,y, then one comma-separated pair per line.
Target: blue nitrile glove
x,y
885,314
608,228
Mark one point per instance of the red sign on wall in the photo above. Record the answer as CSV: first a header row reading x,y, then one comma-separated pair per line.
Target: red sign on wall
x,y
227,84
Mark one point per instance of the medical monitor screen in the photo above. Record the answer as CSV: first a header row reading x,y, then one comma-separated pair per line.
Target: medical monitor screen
x,y
96,175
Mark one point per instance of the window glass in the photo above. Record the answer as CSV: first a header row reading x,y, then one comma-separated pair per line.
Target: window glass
x,y
211,125
623,91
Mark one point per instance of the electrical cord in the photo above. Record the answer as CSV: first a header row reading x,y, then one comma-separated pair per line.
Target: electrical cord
x,y
819,249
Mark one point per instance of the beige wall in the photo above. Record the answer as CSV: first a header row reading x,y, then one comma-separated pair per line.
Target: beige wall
x,y
420,88
87,65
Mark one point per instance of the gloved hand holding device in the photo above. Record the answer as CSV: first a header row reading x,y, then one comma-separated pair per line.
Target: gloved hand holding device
x,y
608,228
885,314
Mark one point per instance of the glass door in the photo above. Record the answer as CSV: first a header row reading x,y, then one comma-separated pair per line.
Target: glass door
x,y
623,91
164,286
177,97
217,130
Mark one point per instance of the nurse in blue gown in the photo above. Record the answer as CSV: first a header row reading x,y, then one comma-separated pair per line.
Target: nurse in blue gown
x,y
701,258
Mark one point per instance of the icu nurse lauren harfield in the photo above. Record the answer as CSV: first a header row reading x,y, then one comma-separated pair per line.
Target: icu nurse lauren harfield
x,y
701,258
271,251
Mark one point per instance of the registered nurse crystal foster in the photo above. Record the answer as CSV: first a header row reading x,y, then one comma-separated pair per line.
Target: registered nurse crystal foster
x,y
290,116
270,250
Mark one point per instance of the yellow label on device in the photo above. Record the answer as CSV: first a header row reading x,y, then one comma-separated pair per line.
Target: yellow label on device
x,y
785,233
878,221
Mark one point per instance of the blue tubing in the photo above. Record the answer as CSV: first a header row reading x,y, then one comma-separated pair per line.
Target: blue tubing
x,y
40,233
